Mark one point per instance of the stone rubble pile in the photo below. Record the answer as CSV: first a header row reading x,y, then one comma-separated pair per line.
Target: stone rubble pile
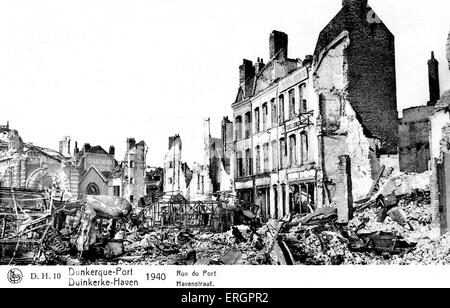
x,y
366,240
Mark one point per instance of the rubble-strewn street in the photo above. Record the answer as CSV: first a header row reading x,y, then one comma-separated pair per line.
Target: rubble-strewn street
x,y
384,230
312,164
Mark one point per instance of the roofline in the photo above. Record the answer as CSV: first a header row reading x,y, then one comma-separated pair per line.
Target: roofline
x,y
96,170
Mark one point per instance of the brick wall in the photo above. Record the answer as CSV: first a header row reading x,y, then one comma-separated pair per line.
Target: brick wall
x,y
414,135
371,72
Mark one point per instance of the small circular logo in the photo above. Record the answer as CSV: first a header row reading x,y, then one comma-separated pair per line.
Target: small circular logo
x,y
14,275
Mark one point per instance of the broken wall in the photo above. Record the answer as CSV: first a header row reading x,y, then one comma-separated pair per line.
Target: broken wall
x,y
370,62
134,181
343,133
33,167
361,150
439,185
414,134
174,169
200,187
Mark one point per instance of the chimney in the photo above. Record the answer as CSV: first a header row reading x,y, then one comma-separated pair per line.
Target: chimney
x,y
112,150
246,71
259,65
173,139
433,80
64,146
278,41
131,142
308,60
86,147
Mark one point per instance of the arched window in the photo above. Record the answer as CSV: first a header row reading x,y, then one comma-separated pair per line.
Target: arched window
x,y
305,148
291,104
292,150
265,114
248,160
282,152
92,190
266,157
248,124
258,159
238,127
281,109
303,100
257,120
273,105
274,155
239,164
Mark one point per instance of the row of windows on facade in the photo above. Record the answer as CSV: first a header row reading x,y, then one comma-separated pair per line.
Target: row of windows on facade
x,y
288,156
277,114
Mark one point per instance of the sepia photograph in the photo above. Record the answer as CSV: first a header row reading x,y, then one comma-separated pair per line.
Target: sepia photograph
x,y
210,133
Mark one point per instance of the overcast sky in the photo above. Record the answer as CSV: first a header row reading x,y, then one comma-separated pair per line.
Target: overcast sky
x,y
102,71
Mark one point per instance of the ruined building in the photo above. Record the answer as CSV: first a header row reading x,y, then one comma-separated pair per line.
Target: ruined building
x,y
355,78
209,175
64,146
303,129
440,160
177,174
275,136
154,183
95,167
213,174
414,129
25,165
367,78
128,179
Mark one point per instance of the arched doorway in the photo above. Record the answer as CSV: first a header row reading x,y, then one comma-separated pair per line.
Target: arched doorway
x,y
92,190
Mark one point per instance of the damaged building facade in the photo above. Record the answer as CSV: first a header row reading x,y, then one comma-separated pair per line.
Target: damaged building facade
x,y
355,79
415,127
24,165
297,122
214,173
211,175
95,167
177,175
274,132
154,183
128,179
440,160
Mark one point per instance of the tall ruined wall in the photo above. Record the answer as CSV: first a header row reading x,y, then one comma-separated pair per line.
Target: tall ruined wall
x,y
372,83
414,135
343,132
370,59
361,150
439,144
174,175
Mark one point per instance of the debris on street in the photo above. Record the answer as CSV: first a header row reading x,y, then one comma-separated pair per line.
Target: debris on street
x,y
392,226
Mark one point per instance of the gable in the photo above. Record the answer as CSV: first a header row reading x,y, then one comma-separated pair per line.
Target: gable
x,y
92,175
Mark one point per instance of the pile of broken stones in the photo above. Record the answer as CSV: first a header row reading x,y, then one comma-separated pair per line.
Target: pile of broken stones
x,y
397,234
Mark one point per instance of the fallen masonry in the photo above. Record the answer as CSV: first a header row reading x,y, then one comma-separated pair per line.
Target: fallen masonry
x,y
392,225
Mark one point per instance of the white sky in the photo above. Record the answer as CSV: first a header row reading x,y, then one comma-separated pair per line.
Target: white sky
x,y
102,71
